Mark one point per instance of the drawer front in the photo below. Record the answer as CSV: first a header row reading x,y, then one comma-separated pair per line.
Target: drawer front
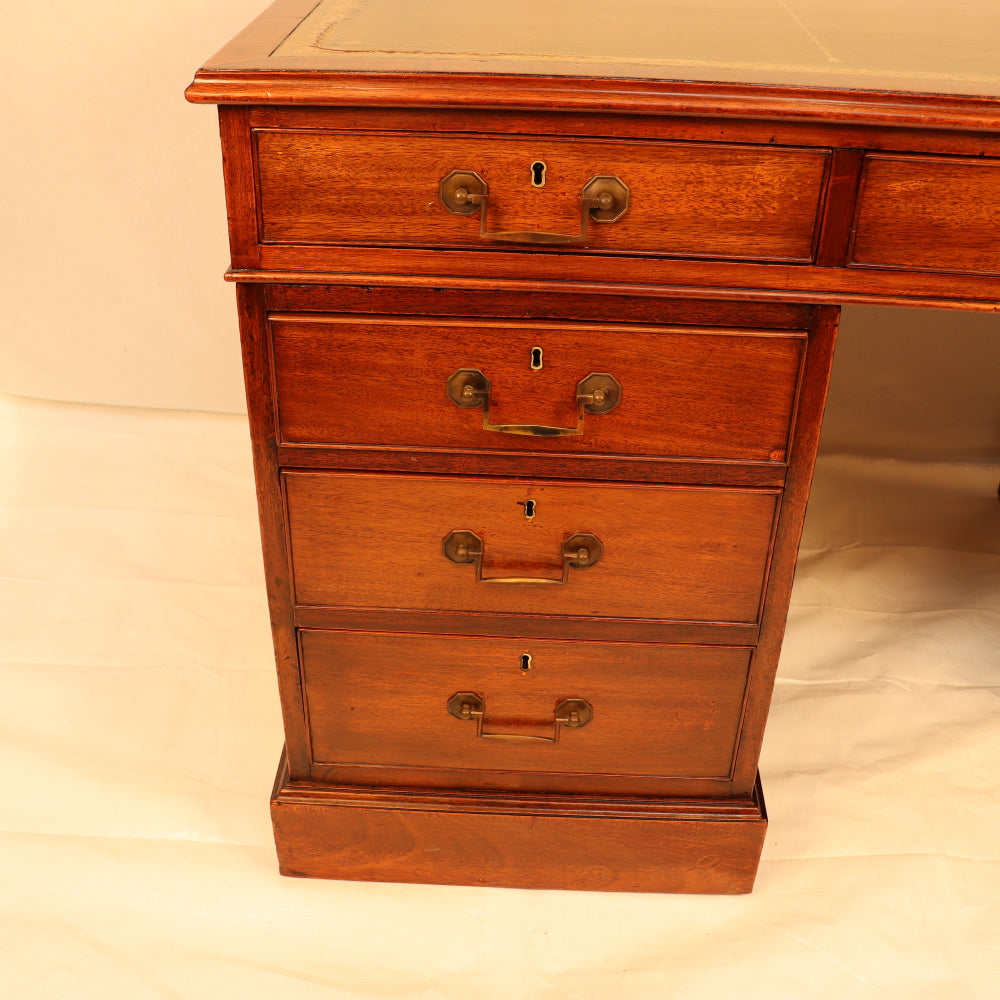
x,y
642,709
684,393
396,541
688,199
931,213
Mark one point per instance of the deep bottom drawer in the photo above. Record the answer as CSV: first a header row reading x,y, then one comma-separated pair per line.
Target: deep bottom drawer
x,y
466,704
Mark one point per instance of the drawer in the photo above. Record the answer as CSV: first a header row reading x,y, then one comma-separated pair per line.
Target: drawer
x,y
471,545
641,709
683,392
688,199
929,213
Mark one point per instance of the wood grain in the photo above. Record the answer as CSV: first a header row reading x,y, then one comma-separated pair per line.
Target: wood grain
x,y
611,304
376,698
260,405
664,97
809,421
539,842
375,541
755,210
378,190
929,213
686,393
587,273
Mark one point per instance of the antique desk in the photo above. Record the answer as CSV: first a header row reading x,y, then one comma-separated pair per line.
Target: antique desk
x,y
537,341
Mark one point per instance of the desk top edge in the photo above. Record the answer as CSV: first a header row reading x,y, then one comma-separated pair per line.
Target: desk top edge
x,y
276,60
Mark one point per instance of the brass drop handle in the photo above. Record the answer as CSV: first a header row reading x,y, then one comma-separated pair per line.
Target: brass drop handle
x,y
580,551
598,393
570,713
604,198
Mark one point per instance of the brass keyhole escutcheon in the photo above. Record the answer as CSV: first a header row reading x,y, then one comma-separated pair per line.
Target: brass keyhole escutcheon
x,y
526,661
530,508
538,169
537,359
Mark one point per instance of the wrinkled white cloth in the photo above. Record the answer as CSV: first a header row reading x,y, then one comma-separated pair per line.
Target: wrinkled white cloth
x,y
139,733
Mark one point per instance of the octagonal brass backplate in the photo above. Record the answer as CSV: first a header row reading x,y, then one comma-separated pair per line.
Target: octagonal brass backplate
x,y
455,189
574,713
582,549
599,392
616,195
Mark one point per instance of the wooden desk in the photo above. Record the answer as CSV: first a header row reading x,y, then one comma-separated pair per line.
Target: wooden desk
x,y
537,341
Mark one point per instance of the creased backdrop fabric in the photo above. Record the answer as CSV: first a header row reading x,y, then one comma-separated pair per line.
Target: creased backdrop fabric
x,y
139,723
139,732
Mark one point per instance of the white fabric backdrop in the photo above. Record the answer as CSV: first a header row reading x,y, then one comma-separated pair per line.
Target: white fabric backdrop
x,y
139,727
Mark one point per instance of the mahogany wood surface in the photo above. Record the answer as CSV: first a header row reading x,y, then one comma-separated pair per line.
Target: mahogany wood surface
x,y
541,842
584,627
756,209
376,698
375,541
791,517
911,207
260,407
611,304
898,137
368,381
318,187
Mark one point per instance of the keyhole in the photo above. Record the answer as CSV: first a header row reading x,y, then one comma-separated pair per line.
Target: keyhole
x,y
526,661
538,174
529,508
536,359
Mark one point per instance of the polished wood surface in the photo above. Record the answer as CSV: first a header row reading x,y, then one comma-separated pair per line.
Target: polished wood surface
x,y
318,187
376,541
685,390
533,842
911,207
765,192
381,699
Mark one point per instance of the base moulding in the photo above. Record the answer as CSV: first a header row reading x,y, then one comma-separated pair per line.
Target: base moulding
x,y
518,841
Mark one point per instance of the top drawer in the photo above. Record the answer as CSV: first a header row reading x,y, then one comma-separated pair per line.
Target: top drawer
x,y
683,199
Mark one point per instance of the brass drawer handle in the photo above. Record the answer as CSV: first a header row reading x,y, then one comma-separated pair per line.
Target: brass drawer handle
x,y
580,551
573,713
602,199
597,393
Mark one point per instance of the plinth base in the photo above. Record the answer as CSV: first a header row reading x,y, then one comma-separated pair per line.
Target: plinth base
x,y
518,841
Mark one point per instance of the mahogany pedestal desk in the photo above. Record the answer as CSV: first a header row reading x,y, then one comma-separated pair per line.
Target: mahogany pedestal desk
x,y
537,341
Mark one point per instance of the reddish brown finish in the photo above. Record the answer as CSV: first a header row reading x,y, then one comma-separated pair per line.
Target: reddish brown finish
x,y
540,842
550,466
589,273
258,379
666,97
372,291
381,699
786,544
487,121
241,189
611,304
376,542
604,628
838,209
685,394
912,207
329,188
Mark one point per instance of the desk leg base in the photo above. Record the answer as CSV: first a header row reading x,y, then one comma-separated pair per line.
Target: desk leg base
x,y
518,841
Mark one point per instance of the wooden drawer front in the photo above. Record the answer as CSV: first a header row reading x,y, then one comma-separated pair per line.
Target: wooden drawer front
x,y
930,213
670,553
685,393
671,711
751,202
